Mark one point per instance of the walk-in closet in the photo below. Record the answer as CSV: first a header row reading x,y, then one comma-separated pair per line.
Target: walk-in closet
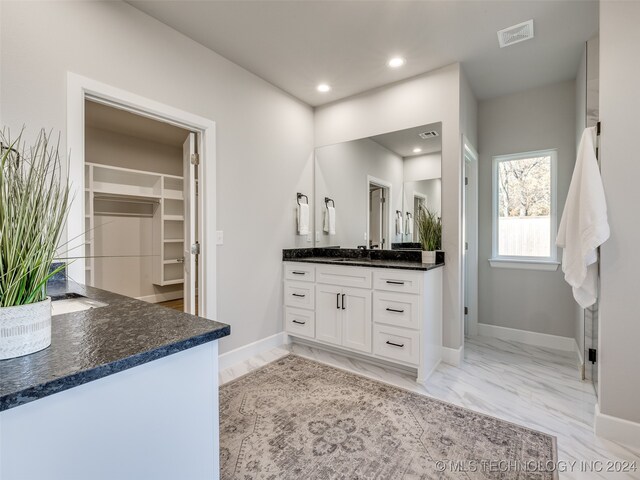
x,y
135,205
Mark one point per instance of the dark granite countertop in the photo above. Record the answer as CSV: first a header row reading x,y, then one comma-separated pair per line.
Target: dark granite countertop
x,y
402,259
371,263
93,344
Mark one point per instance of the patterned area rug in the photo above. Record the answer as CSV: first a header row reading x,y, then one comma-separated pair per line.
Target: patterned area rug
x,y
299,419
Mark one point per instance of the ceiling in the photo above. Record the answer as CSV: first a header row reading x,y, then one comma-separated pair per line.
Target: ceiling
x,y
403,142
297,44
120,121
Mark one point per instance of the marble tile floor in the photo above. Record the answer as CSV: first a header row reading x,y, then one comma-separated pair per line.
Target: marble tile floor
x,y
531,386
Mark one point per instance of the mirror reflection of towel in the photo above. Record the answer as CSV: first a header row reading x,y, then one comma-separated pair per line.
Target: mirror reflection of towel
x,y
330,220
303,219
399,224
409,228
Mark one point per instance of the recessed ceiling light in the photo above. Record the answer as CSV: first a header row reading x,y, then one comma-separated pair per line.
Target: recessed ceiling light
x,y
396,62
417,150
323,87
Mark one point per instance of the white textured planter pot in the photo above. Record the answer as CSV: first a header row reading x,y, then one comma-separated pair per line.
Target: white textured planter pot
x,y
25,329
429,256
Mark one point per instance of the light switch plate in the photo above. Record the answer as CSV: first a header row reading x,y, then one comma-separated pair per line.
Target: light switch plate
x,y
219,237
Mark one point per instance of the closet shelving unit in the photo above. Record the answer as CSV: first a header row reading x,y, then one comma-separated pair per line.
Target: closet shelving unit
x,y
149,194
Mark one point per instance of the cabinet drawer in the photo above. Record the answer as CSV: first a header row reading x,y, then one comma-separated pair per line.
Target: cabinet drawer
x,y
300,322
299,294
397,281
344,276
299,272
399,309
396,343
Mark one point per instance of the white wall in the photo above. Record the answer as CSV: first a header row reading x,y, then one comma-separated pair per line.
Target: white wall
x,y
423,167
537,119
433,97
341,174
264,136
619,355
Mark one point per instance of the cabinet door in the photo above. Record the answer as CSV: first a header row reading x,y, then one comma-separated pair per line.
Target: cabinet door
x,y
356,319
328,314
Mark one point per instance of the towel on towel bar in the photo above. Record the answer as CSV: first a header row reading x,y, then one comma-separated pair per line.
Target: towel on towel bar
x,y
409,228
303,219
330,220
584,225
399,224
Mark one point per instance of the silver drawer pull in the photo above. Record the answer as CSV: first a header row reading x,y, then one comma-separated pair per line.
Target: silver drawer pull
x,y
395,344
298,295
394,310
394,282
299,273
299,323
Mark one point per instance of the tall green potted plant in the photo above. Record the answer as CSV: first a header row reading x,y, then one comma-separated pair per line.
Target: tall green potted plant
x,y
34,201
429,228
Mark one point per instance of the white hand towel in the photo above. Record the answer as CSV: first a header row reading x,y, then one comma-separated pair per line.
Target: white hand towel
x,y
330,220
409,229
399,224
303,219
584,225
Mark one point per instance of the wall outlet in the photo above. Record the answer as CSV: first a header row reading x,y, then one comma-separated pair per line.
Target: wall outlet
x,y
310,238
317,236
219,237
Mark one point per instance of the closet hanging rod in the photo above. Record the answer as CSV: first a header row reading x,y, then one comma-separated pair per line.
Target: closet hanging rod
x,y
327,200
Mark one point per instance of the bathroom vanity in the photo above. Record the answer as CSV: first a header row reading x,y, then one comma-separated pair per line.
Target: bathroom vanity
x,y
126,390
383,308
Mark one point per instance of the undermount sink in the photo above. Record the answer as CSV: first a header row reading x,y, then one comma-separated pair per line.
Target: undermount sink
x,y
75,304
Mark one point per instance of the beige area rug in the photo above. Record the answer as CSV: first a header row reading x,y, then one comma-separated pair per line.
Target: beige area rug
x,y
299,419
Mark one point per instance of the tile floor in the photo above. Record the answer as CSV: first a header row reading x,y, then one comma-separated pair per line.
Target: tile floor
x,y
530,386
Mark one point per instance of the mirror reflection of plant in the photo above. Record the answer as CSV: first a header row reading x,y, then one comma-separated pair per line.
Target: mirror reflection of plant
x,y
429,227
34,202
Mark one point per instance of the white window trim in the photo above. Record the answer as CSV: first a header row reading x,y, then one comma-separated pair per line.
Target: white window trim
x,y
529,263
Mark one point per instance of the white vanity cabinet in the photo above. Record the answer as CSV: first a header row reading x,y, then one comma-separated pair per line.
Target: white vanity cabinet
x,y
392,315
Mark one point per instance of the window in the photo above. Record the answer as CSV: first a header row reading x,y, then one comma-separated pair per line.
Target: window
x,y
524,210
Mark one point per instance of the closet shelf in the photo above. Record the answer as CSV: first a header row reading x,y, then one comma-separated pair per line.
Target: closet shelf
x,y
173,282
174,218
173,240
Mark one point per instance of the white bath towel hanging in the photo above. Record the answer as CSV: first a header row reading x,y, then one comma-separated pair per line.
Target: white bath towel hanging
x,y
584,225
303,219
409,227
330,220
399,224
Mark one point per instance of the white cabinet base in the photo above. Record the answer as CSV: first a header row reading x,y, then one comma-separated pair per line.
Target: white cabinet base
x,y
158,420
392,317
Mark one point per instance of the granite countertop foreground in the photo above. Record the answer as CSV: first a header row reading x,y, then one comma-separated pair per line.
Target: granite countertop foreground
x,y
93,344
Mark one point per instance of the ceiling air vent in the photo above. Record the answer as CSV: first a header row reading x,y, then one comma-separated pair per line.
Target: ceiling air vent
x,y
426,135
516,34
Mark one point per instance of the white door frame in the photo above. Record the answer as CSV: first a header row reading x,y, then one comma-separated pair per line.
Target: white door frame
x,y
390,214
470,257
79,89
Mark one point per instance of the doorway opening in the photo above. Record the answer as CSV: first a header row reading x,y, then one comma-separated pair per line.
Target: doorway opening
x,y
378,214
419,203
470,239
141,208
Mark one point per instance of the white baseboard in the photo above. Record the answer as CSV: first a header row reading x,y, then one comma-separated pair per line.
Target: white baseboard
x,y
616,429
245,352
162,297
453,356
530,338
